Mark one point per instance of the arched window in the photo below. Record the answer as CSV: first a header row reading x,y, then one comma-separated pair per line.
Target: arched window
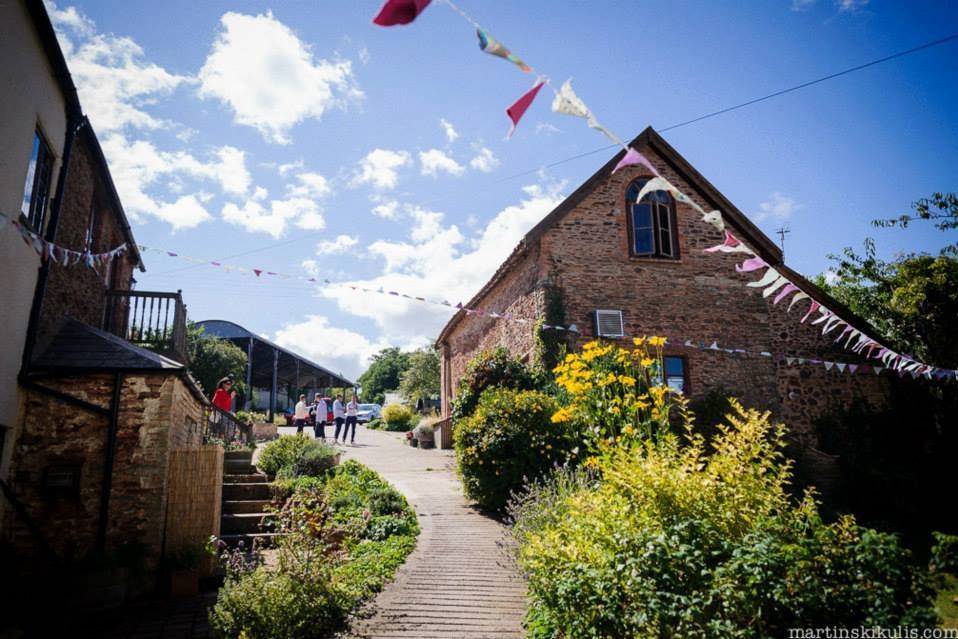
x,y
651,223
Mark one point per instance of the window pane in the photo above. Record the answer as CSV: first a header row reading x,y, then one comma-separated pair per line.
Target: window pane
x,y
642,216
676,383
643,241
674,366
31,175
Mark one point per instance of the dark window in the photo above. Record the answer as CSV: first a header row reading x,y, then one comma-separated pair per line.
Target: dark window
x,y
36,188
675,373
651,222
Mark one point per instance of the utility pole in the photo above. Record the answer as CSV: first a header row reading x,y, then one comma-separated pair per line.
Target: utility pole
x,y
782,232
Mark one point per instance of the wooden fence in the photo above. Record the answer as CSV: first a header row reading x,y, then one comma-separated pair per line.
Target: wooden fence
x,y
194,500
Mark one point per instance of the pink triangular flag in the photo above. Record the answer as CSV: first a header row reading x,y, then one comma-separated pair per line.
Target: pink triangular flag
x,y
395,12
751,264
730,241
257,271
519,107
632,157
789,288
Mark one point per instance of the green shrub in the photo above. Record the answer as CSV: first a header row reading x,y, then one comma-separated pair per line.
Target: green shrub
x,y
297,455
508,440
398,417
490,369
385,526
375,424
664,539
267,604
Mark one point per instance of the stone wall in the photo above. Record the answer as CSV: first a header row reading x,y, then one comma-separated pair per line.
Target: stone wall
x,y
520,294
157,414
698,297
78,290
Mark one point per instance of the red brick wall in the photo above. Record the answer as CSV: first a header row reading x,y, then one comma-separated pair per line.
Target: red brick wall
x,y
78,290
152,422
518,293
697,297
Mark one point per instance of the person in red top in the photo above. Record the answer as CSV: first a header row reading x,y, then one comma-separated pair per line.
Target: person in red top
x,y
223,397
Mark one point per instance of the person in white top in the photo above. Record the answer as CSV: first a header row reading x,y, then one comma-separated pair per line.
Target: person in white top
x,y
352,410
320,410
299,415
339,415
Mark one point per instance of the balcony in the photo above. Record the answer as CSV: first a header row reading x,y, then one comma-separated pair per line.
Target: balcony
x,y
151,319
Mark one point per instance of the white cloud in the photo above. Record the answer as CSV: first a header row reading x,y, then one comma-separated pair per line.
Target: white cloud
x,y
484,161
802,5
185,213
113,79
544,128
449,129
439,261
256,218
386,208
289,167
364,56
338,349
435,161
338,246
777,207
269,77
231,170
851,6
380,168
310,184
136,165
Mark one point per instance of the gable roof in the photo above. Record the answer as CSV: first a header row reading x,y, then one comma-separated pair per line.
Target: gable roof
x,y
747,230
80,347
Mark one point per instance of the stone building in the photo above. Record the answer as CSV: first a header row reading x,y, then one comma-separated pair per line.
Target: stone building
x,y
617,268
95,394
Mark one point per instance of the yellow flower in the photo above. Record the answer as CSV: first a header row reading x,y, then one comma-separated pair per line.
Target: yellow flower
x,y
638,341
657,341
646,362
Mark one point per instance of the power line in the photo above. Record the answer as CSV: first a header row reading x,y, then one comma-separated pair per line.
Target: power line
x,y
776,94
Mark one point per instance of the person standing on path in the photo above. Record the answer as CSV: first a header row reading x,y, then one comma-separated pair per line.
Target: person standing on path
x,y
299,415
352,412
339,415
320,410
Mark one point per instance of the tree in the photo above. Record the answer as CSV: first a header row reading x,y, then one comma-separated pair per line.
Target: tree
x,y
913,299
384,374
421,379
212,358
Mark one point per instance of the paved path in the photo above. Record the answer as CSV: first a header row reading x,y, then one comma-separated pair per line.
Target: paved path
x,y
458,582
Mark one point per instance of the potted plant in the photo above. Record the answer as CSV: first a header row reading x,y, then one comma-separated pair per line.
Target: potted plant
x,y
183,566
425,434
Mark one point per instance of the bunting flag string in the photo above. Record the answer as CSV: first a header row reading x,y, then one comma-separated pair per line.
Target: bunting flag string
x,y
493,47
851,334
55,254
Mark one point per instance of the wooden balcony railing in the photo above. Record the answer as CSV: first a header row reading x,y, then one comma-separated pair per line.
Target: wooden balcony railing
x,y
151,319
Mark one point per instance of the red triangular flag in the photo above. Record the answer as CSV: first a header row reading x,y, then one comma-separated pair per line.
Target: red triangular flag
x,y
257,271
519,107
395,12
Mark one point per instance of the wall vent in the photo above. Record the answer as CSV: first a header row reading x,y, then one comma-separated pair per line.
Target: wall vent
x,y
609,323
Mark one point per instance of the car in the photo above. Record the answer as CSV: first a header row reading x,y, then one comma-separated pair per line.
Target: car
x,y
369,412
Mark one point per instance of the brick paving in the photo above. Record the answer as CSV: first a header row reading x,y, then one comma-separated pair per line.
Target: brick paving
x,y
458,582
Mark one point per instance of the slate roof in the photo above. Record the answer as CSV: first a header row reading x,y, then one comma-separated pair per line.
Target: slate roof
x,y
80,347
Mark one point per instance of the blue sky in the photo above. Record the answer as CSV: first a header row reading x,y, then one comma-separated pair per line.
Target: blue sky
x,y
302,139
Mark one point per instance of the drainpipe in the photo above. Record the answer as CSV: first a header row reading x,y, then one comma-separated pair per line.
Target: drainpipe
x,y
110,453
73,127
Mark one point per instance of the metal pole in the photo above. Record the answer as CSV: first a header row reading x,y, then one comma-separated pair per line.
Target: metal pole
x,y
272,389
249,374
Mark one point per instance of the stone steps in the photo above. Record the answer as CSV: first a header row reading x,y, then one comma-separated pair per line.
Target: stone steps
x,y
245,491
244,506
265,540
242,524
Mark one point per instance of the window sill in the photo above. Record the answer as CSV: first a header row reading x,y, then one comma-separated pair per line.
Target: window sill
x,y
655,260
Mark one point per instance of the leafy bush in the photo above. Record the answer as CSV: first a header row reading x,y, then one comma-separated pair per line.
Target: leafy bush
x,y
489,369
508,440
297,455
375,424
268,603
250,417
398,417
658,534
342,537
944,552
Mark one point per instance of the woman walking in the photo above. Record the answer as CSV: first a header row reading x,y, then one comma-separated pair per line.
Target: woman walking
x,y
352,412
339,414
223,397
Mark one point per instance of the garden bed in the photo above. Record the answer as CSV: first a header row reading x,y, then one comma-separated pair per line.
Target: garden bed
x,y
343,533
